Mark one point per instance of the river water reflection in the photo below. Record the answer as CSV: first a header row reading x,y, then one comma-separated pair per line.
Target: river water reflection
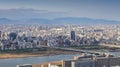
x,y
36,60
33,60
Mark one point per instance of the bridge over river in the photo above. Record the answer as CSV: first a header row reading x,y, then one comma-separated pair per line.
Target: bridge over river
x,y
92,52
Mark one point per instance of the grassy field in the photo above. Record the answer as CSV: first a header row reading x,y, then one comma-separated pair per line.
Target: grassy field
x,y
27,50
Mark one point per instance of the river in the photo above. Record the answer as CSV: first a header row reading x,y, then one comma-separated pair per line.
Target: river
x,y
33,60
36,60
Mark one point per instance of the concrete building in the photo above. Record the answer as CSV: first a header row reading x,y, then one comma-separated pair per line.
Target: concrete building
x,y
84,63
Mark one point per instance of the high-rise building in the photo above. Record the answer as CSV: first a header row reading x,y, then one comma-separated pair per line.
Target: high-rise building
x,y
13,36
72,35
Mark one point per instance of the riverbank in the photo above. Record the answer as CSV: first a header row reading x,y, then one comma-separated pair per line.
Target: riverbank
x,y
103,48
35,54
22,53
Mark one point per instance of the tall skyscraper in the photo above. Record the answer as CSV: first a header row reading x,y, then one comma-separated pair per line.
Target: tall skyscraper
x,y
13,36
72,35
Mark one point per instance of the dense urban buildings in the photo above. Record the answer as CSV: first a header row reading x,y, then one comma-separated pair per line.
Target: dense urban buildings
x,y
59,33
34,36
14,37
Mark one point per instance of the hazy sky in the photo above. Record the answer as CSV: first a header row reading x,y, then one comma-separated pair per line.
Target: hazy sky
x,y
101,9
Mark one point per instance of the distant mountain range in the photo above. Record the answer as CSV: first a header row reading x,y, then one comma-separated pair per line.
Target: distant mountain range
x,y
66,20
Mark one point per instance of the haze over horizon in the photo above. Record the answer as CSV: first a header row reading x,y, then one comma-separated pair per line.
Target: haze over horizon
x,y
53,9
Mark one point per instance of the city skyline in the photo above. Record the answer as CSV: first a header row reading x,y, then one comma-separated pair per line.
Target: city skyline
x,y
51,9
59,33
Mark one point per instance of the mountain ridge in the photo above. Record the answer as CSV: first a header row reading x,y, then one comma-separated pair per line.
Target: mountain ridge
x,y
65,20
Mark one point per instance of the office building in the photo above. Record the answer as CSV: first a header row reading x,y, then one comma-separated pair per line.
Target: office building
x,y
72,35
